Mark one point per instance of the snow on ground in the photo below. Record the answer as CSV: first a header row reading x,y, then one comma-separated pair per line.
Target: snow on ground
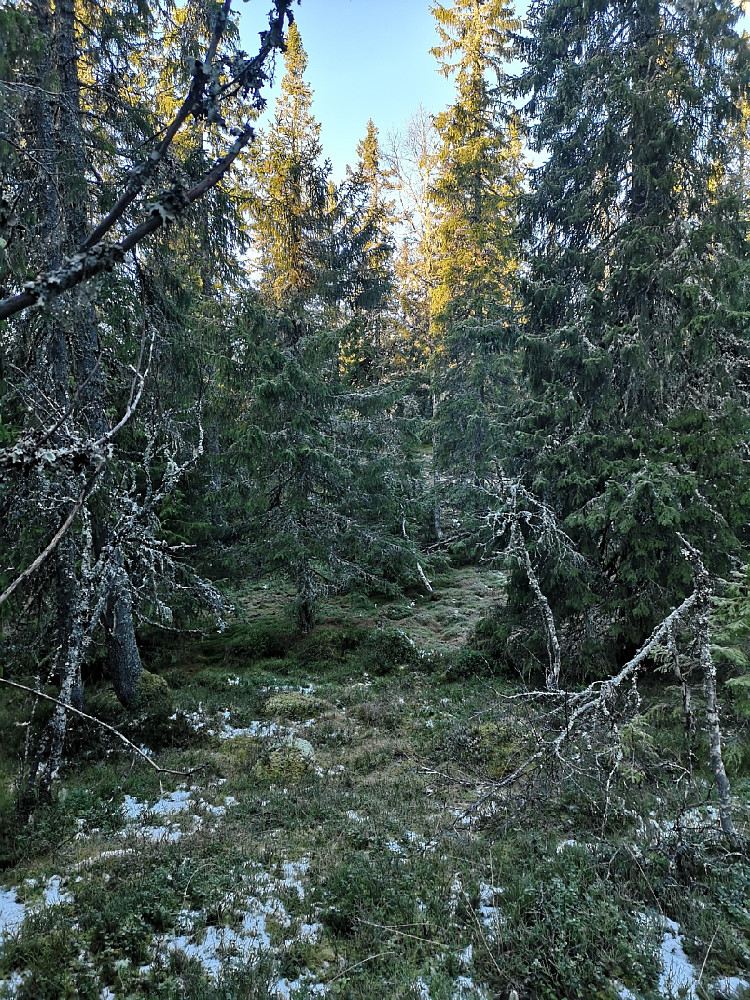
x,y
221,726
730,986
677,972
258,913
703,819
490,914
256,905
180,802
12,912
678,977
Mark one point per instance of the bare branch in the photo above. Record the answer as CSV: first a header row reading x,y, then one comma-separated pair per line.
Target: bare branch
x,y
96,257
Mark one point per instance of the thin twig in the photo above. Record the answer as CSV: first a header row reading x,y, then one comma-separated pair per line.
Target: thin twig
x,y
351,968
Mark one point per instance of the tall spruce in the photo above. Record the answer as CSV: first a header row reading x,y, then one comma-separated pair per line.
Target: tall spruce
x,y
479,173
367,190
323,512
635,424
83,102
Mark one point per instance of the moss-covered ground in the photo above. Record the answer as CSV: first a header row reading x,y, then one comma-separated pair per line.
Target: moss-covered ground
x,y
342,838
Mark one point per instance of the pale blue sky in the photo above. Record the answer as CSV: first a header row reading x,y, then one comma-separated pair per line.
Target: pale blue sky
x,y
367,59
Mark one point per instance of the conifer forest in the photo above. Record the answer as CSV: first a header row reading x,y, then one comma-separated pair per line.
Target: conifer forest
x,y
375,548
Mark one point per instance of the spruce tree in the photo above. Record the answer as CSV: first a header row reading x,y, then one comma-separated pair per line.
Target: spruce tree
x,y
90,97
292,186
365,195
635,347
473,297
323,511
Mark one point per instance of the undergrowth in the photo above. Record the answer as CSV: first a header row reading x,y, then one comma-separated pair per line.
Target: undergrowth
x,y
375,773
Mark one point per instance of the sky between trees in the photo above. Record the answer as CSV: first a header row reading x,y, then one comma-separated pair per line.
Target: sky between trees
x,y
367,59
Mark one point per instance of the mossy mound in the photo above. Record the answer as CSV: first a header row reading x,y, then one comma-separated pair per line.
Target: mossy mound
x,y
295,705
493,748
289,761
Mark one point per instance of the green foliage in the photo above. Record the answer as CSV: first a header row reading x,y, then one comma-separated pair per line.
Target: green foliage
x,y
385,650
328,645
46,950
634,339
466,663
730,633
293,705
478,181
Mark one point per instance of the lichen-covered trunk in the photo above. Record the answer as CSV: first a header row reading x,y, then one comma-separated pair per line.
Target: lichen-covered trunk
x,y
436,510
55,356
704,593
123,657
713,725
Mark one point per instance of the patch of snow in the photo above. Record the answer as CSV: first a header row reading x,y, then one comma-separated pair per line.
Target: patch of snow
x,y
623,992
217,947
175,802
423,990
491,916
677,971
466,958
286,989
730,986
52,894
700,818
307,689
310,933
12,913
293,870
167,834
103,856
168,806
256,730
466,989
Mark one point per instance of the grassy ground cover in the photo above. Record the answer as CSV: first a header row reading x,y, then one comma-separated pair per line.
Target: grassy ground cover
x,y
345,836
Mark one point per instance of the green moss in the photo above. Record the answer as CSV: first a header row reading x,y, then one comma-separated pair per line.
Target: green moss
x,y
294,705
289,762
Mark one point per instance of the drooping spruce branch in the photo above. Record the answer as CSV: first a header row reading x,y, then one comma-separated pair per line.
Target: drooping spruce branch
x,y
97,256
580,713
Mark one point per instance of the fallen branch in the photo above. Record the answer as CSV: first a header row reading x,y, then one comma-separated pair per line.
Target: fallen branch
x,y
600,696
103,725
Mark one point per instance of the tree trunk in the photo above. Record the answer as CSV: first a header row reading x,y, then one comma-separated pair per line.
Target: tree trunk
x,y
123,657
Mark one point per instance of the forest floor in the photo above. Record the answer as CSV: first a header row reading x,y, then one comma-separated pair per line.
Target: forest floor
x,y
341,839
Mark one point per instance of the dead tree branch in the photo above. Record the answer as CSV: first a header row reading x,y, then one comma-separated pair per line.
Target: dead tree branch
x,y
47,552
95,256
